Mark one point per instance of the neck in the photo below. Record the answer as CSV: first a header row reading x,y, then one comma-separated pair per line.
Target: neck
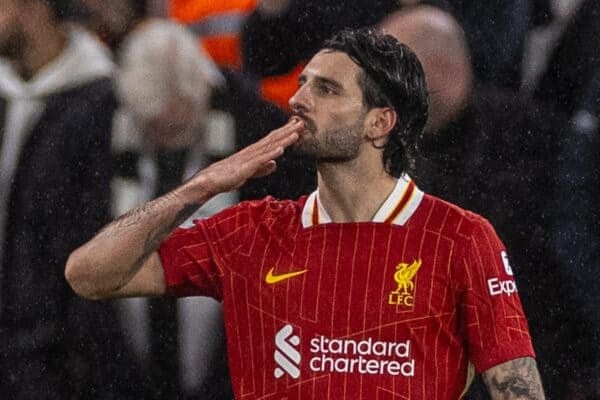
x,y
41,48
349,196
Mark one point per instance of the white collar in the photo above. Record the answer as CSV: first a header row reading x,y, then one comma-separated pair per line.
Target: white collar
x,y
400,205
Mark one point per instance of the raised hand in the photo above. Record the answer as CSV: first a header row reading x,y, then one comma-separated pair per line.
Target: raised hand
x,y
121,260
256,160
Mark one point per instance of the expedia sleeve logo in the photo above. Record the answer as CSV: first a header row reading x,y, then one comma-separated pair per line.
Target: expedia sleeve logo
x,y
498,287
405,290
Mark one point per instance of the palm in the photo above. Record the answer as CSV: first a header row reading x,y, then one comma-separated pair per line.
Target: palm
x,y
255,160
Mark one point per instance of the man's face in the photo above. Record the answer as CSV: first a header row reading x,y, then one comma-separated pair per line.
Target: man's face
x,y
330,102
108,18
11,33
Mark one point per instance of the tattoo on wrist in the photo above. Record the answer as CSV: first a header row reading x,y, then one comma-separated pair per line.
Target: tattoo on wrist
x,y
516,379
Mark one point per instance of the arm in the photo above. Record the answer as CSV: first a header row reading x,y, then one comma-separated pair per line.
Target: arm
x,y
122,260
515,379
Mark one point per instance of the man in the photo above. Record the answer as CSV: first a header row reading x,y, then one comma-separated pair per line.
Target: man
x,y
368,288
56,108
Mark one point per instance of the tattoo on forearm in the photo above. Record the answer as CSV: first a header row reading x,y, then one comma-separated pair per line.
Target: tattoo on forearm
x,y
155,237
516,379
130,218
126,224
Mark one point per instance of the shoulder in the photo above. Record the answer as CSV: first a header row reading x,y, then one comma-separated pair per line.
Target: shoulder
x,y
263,210
448,219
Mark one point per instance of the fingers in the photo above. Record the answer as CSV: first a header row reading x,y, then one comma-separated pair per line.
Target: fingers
x,y
273,145
258,158
265,169
294,125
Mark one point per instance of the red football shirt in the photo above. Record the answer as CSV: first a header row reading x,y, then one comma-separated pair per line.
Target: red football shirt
x,y
402,307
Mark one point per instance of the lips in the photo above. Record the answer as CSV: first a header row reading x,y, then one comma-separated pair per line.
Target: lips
x,y
308,123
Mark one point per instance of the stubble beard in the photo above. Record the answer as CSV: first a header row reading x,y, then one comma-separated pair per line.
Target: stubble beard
x,y
333,145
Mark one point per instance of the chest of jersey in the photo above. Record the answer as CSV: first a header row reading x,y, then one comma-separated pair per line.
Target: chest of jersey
x,y
363,305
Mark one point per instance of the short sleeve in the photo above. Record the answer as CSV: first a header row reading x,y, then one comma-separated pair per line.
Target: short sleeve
x,y
194,259
494,321
187,264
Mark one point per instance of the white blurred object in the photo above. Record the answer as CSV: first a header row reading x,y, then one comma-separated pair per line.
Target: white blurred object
x,y
165,81
201,334
564,9
219,131
542,41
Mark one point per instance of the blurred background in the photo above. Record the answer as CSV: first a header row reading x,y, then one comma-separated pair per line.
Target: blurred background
x,y
105,104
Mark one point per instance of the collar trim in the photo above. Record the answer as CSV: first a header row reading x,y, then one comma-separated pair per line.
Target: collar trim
x,y
400,205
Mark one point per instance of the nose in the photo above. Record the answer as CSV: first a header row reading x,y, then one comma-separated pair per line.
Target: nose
x,y
300,102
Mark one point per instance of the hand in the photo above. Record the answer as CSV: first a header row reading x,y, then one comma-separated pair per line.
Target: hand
x,y
254,161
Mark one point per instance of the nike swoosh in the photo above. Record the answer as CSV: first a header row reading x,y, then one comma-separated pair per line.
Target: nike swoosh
x,y
271,279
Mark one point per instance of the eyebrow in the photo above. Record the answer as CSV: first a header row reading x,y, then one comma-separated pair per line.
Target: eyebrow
x,y
320,79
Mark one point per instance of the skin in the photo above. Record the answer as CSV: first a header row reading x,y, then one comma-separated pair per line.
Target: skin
x,y
343,136
30,36
9,28
273,7
110,19
337,136
121,261
515,379
330,124
439,42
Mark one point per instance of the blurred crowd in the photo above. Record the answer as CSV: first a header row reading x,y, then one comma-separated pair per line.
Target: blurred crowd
x,y
105,104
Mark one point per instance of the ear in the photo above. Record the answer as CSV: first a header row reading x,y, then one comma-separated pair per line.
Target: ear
x,y
379,122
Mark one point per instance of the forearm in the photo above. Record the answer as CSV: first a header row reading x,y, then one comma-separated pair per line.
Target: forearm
x,y
515,379
118,261
109,261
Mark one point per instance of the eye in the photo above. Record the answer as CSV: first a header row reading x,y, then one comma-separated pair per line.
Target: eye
x,y
325,89
301,81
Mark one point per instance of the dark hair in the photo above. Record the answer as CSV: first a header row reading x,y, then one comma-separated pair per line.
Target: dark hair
x,y
391,76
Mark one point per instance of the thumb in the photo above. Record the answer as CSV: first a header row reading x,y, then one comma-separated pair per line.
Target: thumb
x,y
267,168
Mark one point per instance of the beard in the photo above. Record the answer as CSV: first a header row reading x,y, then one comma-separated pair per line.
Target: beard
x,y
333,145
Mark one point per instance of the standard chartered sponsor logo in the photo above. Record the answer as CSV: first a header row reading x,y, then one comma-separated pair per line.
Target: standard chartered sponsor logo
x,y
344,356
287,357
363,357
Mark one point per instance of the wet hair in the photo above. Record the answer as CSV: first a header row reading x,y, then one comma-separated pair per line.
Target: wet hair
x,y
391,76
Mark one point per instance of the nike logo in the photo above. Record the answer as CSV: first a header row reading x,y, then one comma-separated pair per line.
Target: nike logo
x,y
271,278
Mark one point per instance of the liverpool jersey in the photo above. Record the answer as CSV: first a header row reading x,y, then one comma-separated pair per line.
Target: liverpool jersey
x,y
406,306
